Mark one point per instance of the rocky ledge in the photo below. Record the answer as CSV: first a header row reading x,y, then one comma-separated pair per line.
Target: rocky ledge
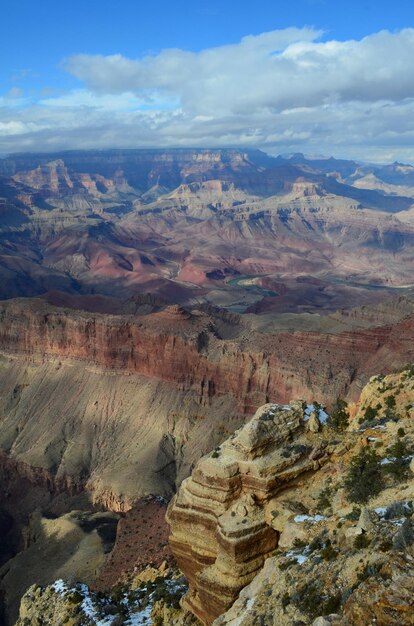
x,y
304,518
221,518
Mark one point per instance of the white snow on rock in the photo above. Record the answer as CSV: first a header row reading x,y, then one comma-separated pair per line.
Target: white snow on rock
x,y
308,518
322,415
59,586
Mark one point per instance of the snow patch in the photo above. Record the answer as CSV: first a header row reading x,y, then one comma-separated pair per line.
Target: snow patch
x,y
308,518
310,408
381,510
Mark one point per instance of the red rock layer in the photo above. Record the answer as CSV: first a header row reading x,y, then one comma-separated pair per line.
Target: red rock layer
x,y
182,348
141,540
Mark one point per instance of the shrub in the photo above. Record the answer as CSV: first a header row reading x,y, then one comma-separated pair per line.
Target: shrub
x,y
401,432
361,542
339,417
331,604
370,413
286,564
328,553
398,509
364,478
390,402
75,597
354,515
385,545
324,498
369,571
285,600
399,455
315,544
308,599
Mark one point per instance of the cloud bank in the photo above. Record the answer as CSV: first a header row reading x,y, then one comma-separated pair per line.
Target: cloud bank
x,y
283,91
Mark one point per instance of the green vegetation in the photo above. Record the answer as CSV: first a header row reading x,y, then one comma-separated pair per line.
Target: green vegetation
x,y
75,597
354,515
310,601
390,402
328,552
325,498
339,417
361,542
399,460
364,478
370,413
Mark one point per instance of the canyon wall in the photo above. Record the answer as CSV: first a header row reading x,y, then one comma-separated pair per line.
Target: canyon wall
x,y
127,404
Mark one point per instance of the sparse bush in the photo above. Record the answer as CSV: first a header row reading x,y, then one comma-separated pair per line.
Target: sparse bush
x,y
308,599
361,542
364,478
399,457
370,571
286,564
339,417
119,620
385,545
398,510
285,600
328,553
410,371
354,515
75,597
390,402
370,413
315,544
331,604
324,498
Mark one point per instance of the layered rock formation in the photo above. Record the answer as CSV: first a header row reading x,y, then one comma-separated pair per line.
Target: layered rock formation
x,y
219,520
125,405
102,223
281,482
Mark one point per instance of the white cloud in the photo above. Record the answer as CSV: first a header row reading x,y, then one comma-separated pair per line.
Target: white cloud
x,y
283,90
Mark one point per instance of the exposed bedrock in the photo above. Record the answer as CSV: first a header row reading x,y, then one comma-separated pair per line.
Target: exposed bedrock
x,y
126,405
221,518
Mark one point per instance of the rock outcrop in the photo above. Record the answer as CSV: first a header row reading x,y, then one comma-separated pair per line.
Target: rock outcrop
x,y
220,519
272,529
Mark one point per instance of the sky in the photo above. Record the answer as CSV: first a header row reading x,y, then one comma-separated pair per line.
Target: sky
x,y
326,77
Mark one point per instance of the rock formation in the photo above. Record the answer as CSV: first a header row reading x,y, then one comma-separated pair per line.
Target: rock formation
x,y
271,506
220,530
159,390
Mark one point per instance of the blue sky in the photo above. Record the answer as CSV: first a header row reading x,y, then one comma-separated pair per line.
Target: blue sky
x,y
102,74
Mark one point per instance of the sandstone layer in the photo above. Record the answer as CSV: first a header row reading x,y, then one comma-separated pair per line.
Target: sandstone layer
x,y
273,505
220,518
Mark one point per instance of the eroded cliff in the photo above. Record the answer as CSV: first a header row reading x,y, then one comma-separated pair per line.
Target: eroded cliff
x,y
126,404
316,518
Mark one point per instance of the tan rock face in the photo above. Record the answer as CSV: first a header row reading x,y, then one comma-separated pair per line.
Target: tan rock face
x,y
221,529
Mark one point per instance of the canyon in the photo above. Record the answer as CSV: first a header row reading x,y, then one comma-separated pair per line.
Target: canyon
x,y
152,300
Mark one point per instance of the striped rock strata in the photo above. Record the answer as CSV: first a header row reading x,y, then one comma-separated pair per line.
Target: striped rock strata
x,y
223,520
